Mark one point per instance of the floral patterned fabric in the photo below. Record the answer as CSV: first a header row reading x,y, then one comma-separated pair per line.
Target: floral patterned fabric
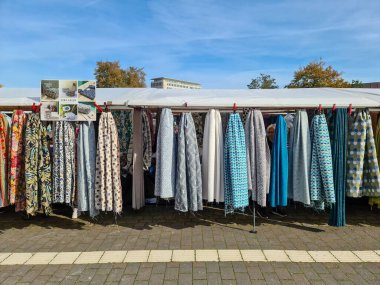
x,y
107,182
64,163
147,137
37,167
123,121
16,181
4,137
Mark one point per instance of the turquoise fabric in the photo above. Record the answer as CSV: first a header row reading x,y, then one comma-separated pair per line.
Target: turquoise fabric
x,y
278,191
235,166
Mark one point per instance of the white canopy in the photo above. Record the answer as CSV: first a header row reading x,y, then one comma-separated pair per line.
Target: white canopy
x,y
206,98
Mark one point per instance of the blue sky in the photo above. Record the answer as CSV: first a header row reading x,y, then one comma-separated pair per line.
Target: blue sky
x,y
220,44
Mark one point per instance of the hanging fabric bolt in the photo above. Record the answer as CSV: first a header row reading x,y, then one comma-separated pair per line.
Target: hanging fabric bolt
x,y
258,156
321,172
212,158
138,194
37,167
108,195
189,176
64,171
299,159
235,166
165,157
278,193
4,149
338,125
16,181
363,178
86,158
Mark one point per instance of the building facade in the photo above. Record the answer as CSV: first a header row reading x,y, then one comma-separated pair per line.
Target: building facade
x,y
169,83
371,85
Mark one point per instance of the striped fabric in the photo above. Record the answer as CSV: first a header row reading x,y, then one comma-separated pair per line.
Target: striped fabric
x,y
235,166
321,170
363,178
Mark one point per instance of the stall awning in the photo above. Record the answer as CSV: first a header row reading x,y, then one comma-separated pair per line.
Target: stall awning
x,y
220,98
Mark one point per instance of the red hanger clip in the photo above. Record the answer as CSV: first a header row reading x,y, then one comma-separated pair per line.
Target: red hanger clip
x,y
350,109
34,107
235,107
334,108
98,107
320,108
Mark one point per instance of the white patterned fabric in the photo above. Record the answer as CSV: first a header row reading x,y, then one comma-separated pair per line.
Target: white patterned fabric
x,y
258,157
107,183
165,157
64,162
321,171
299,159
188,177
212,158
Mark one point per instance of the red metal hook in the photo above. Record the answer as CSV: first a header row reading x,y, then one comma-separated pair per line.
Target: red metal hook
x,y
34,107
320,108
235,107
334,108
350,109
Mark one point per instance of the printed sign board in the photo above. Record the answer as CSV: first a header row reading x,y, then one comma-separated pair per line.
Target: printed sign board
x,y
68,100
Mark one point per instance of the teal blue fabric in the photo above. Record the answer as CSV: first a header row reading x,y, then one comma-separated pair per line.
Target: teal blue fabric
x,y
278,191
338,126
235,166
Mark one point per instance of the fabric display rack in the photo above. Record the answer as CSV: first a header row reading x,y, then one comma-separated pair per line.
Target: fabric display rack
x,y
324,146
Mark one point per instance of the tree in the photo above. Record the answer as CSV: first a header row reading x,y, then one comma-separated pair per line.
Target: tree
x,y
316,74
357,84
264,81
110,74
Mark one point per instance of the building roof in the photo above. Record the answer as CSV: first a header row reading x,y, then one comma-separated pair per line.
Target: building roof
x,y
214,98
183,81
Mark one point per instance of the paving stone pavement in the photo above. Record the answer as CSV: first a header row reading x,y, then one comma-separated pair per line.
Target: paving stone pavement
x,y
161,228
194,273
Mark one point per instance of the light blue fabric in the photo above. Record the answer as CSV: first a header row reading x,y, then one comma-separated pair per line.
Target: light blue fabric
x,y
321,170
235,166
189,177
86,158
165,157
278,192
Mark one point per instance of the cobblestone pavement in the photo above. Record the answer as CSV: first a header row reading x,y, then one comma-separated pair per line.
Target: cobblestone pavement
x,y
162,228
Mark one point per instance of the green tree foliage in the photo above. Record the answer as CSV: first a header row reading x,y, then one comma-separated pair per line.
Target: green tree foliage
x,y
357,84
110,75
264,81
317,74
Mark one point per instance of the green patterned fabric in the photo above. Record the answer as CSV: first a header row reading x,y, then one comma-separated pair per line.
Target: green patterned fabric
x,y
363,178
37,166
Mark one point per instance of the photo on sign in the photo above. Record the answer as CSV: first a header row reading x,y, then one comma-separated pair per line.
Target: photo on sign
x,y
86,111
68,89
49,90
68,112
86,91
49,111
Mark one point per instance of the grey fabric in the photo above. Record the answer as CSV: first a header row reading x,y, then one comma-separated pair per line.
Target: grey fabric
x,y
165,157
138,195
86,158
189,177
258,157
299,159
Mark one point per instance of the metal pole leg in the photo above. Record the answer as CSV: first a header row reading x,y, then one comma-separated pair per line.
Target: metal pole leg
x,y
254,219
